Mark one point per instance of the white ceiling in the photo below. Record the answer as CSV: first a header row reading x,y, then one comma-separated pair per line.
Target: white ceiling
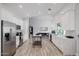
x,y
33,9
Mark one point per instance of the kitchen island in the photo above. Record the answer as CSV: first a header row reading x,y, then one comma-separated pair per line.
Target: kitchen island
x,y
66,45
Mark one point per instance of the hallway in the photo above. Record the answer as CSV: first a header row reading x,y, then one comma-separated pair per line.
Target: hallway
x,y
48,49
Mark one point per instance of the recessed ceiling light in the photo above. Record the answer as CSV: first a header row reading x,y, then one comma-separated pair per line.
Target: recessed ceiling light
x,y
20,6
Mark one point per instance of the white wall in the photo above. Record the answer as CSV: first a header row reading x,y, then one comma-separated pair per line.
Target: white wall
x,y
26,29
41,21
66,17
77,28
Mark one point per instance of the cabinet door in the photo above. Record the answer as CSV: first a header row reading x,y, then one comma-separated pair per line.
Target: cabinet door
x,y
69,47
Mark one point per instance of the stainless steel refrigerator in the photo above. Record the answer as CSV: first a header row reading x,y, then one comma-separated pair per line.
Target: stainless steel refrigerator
x,y
8,38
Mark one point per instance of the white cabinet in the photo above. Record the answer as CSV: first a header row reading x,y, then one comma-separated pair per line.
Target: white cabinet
x,y
67,46
17,41
57,41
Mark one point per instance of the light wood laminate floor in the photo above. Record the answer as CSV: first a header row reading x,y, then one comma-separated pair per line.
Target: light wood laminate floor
x,y
48,49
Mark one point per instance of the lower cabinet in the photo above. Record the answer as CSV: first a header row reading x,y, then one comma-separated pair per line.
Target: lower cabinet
x,y
17,41
66,45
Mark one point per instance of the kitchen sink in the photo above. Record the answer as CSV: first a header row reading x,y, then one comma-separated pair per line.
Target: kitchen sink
x,y
71,37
